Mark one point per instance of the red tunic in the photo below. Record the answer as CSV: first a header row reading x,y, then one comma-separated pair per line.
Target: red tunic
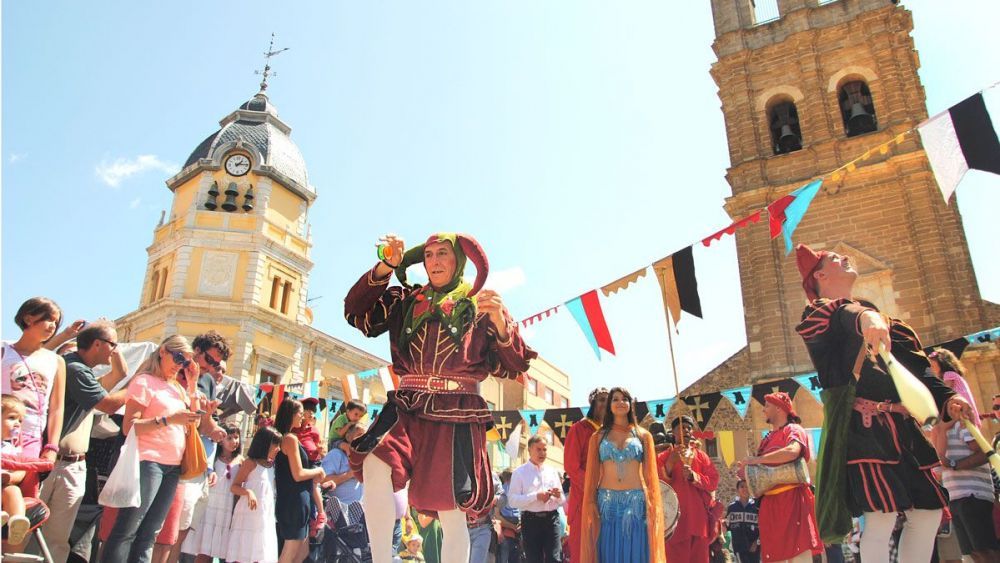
x,y
575,462
692,497
309,438
787,520
420,446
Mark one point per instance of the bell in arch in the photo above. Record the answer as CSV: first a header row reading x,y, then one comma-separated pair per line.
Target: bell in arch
x,y
231,193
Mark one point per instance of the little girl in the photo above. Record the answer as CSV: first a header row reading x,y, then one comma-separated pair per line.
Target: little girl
x,y
252,536
13,501
210,537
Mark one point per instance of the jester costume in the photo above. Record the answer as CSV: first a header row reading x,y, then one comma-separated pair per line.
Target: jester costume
x,y
432,431
874,457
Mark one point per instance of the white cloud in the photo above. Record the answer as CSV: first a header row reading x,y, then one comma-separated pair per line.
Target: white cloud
x,y
121,169
502,281
135,203
16,157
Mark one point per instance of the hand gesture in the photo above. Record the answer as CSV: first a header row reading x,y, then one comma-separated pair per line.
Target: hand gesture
x,y
320,475
489,302
213,478
217,435
397,247
75,328
543,496
959,408
183,417
251,500
875,331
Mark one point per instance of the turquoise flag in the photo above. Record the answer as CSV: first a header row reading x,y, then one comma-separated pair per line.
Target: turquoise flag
x,y
575,306
817,435
797,209
740,398
659,409
312,389
368,373
373,411
810,382
533,419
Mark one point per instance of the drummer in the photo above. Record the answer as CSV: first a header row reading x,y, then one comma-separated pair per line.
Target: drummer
x,y
690,472
786,518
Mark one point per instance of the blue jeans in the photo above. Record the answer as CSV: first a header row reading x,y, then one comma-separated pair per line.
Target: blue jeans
x,y
479,542
509,551
135,529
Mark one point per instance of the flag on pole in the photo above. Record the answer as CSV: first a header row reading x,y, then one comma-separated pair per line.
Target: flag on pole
x,y
785,214
679,284
586,309
959,140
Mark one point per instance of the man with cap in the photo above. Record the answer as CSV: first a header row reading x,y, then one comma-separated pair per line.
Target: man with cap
x,y
787,524
575,462
692,475
445,338
874,460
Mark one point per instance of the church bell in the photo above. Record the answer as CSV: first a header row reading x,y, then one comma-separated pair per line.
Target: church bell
x,y
860,120
248,200
213,194
231,193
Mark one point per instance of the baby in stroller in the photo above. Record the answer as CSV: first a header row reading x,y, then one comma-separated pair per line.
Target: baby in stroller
x,y
345,537
21,515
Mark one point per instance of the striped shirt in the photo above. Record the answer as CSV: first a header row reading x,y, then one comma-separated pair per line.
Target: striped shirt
x,y
975,482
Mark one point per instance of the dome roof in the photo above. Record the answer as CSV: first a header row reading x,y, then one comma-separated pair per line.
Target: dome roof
x,y
255,127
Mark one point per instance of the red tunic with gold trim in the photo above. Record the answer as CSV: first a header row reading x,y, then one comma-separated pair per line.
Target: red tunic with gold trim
x,y
888,458
575,462
432,431
786,519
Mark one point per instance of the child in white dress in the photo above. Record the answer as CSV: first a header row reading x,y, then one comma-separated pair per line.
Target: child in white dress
x,y
209,537
253,537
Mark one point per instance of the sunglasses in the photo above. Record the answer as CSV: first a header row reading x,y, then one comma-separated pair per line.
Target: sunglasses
x,y
210,360
180,359
996,407
110,343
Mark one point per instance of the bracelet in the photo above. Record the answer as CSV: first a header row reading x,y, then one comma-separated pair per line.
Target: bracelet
x,y
390,266
164,419
50,448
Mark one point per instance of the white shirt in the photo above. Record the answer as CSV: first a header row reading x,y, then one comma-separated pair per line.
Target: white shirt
x,y
529,480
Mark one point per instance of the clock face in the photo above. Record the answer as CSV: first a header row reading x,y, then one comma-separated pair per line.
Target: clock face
x,y
238,165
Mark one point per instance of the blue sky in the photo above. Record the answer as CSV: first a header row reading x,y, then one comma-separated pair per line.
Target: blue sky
x,y
561,134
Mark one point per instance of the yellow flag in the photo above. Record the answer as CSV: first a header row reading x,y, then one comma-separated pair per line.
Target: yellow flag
x,y
727,446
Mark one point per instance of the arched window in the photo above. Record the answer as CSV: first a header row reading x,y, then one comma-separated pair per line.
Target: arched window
x,y
857,109
154,285
783,120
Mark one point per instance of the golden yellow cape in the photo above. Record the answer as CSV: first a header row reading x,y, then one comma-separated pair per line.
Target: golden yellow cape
x,y
651,489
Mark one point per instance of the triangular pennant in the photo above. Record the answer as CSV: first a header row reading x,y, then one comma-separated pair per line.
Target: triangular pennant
x,y
373,411
787,385
660,408
349,384
727,446
641,410
959,140
991,335
678,284
817,443
513,444
312,389
534,419
797,209
703,407
586,310
731,229
505,422
740,398
367,374
540,316
810,382
623,282
559,420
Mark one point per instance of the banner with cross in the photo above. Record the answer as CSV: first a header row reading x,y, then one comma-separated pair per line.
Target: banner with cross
x,y
703,406
560,420
504,422
787,385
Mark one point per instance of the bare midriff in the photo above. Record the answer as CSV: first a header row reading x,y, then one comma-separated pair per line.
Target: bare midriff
x,y
631,476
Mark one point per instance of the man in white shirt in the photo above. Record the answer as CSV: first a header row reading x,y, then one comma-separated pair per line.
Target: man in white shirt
x,y
537,491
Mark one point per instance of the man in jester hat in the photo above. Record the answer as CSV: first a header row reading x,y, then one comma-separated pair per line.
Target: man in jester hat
x,y
445,338
874,460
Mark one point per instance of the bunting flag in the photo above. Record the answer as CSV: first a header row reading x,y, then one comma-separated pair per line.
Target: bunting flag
x,y
349,384
991,335
787,385
754,218
659,409
956,346
259,395
703,406
559,420
390,381
810,382
678,284
586,309
817,437
641,410
534,419
727,446
331,405
367,374
785,214
312,389
740,398
278,396
373,411
513,444
958,140
623,282
505,422
540,316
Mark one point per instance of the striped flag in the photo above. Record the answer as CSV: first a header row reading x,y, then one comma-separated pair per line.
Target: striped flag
x,y
959,140
679,284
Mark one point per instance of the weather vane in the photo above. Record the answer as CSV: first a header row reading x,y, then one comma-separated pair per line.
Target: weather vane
x,y
267,64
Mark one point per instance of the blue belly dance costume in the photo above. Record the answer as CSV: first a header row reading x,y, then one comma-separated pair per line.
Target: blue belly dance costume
x,y
623,537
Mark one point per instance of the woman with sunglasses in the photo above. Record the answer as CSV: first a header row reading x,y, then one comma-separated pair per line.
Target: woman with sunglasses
x,y
158,411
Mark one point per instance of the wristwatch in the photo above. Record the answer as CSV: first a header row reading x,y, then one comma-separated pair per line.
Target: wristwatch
x,y
952,464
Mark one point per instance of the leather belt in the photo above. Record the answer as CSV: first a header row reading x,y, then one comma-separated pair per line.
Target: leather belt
x,y
871,409
71,458
437,384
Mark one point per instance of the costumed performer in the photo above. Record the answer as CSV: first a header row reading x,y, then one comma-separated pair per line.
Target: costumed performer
x,y
444,339
622,508
874,459
575,462
693,476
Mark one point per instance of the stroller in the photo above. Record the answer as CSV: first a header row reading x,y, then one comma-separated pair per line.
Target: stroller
x,y
35,510
345,539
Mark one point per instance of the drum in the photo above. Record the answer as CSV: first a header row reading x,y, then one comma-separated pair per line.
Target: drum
x,y
671,509
762,478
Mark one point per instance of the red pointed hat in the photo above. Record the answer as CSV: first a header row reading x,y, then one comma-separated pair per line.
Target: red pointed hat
x,y
808,261
782,401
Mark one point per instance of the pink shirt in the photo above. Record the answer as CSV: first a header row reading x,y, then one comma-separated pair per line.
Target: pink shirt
x,y
162,444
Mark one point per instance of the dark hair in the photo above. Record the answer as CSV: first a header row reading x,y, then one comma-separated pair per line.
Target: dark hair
x,y
211,339
947,360
35,306
609,418
261,444
535,439
354,405
230,430
682,418
741,482
505,475
591,413
93,332
286,414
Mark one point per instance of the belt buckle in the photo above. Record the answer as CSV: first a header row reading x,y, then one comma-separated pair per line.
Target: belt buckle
x,y
435,383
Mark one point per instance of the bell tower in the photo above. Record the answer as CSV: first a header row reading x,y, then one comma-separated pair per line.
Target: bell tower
x,y
806,86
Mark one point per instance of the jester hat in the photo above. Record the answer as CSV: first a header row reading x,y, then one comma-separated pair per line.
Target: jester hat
x,y
466,249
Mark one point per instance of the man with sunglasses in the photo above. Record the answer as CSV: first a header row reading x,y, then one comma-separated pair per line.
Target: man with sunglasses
x,y
63,490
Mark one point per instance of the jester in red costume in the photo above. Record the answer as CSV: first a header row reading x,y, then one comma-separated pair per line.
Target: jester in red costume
x,y
575,462
445,338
